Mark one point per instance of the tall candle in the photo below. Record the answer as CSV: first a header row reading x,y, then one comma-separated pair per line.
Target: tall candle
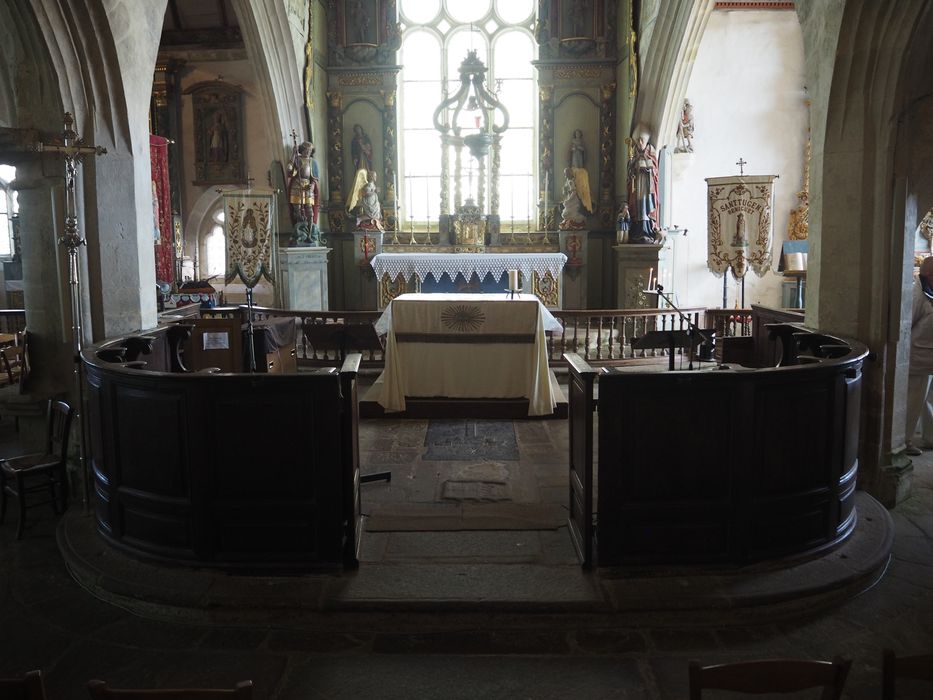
x,y
513,280
650,278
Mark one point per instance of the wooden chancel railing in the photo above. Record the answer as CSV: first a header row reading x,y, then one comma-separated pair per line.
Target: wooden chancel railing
x,y
12,320
729,322
599,336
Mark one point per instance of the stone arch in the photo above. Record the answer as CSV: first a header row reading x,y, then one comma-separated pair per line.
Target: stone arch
x,y
666,56
103,56
200,220
270,45
862,207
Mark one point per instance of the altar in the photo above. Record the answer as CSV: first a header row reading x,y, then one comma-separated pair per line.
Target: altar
x,y
400,273
466,346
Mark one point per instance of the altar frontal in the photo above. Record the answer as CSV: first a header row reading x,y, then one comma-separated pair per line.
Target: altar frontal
x,y
466,346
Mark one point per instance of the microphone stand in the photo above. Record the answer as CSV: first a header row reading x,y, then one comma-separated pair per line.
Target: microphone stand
x,y
692,328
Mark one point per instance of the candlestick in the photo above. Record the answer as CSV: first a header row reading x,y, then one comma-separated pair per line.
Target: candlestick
x,y
411,206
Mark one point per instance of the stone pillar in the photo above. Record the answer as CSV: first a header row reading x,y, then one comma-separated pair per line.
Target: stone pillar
x,y
45,278
303,278
573,245
636,264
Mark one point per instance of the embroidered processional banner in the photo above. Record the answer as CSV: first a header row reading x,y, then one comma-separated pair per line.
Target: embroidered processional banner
x,y
248,217
740,230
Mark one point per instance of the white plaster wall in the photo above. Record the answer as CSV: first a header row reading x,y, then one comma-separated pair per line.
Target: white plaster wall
x,y
747,91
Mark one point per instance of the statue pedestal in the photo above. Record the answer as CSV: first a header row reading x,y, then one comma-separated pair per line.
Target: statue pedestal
x,y
573,245
303,278
636,264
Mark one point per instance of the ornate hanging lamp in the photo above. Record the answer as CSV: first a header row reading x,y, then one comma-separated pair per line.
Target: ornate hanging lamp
x,y
468,119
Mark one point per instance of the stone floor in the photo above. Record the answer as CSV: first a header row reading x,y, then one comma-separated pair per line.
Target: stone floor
x,y
48,621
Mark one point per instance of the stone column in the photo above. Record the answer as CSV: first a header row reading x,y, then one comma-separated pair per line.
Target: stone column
x,y
303,278
45,278
636,264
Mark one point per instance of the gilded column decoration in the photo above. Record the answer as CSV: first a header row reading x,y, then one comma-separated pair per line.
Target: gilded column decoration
x,y
607,146
389,149
799,224
546,150
632,53
309,70
335,160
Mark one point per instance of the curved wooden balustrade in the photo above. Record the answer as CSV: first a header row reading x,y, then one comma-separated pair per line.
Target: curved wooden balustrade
x,y
736,464
599,336
231,470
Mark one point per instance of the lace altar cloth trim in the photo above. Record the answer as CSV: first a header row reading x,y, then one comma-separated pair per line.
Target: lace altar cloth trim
x,y
436,264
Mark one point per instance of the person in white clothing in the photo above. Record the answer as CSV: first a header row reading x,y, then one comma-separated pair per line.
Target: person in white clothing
x,y
921,360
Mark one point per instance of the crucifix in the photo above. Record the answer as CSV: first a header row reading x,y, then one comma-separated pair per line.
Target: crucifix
x,y
741,163
73,149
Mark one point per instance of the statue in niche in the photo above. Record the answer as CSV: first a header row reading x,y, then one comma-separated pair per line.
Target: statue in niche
x,y
573,215
361,150
577,199
304,193
685,130
364,201
577,150
643,189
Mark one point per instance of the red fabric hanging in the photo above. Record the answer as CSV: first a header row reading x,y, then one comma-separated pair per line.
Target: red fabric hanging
x,y
162,210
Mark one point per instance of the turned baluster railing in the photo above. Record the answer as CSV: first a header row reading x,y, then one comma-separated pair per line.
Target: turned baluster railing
x,y
599,336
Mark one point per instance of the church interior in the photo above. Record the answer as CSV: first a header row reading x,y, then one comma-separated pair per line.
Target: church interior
x,y
466,348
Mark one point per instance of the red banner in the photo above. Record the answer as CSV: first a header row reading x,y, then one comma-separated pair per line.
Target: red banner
x,y
162,210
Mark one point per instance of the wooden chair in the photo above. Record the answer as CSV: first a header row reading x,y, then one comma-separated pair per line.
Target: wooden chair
x,y
919,667
14,363
771,676
99,691
16,400
29,687
40,471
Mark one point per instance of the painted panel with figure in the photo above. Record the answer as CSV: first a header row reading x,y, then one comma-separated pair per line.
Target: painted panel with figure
x,y
218,132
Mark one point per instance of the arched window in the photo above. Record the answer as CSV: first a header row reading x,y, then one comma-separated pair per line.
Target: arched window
x,y
436,36
8,209
215,246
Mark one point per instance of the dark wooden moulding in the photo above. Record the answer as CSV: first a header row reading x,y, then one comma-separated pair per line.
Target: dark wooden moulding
x,y
239,471
729,466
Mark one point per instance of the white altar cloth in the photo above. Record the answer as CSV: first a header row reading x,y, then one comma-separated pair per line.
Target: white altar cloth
x,y
421,265
466,346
